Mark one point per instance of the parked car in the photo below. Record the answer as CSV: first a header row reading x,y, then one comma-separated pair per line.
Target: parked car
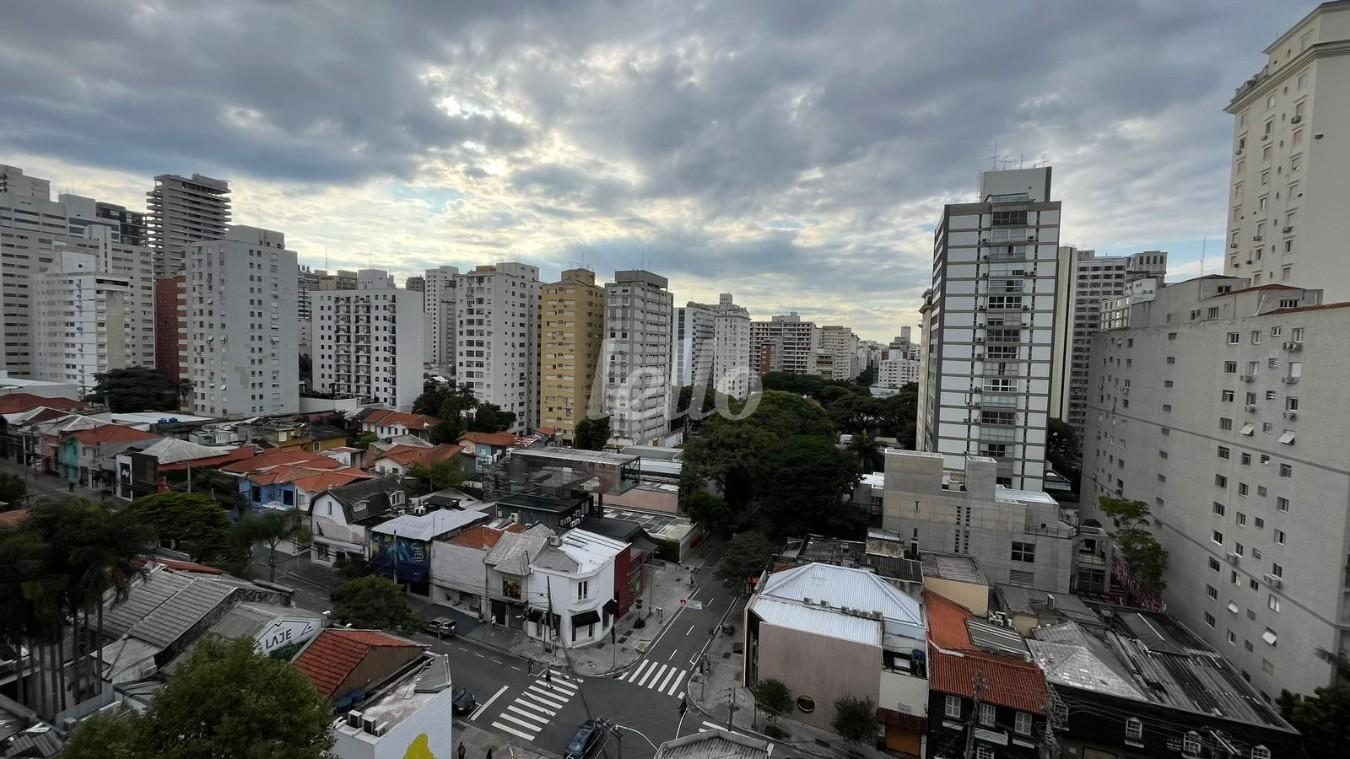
x,y
441,626
587,737
462,700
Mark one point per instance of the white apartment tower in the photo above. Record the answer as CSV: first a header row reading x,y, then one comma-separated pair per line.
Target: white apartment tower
x,y
636,358
693,332
1290,176
785,343
842,345
497,340
1093,281
183,211
731,348
80,317
989,327
439,287
242,335
1221,406
368,341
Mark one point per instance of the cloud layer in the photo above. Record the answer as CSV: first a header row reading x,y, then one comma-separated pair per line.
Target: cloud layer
x,y
794,153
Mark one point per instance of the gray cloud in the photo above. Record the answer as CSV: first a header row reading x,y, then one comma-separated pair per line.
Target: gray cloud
x,y
794,152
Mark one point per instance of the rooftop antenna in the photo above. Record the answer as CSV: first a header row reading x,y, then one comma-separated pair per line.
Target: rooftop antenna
x,y
1203,244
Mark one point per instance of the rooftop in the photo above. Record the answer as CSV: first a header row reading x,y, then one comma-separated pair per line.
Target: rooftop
x,y
405,696
389,418
1045,605
16,402
714,744
494,439
657,525
410,456
483,537
172,450
332,657
847,591
430,525
564,455
111,433
584,552
957,658
950,566
514,551
270,457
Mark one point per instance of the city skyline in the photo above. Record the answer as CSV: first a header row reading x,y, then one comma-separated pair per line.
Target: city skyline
x,y
723,151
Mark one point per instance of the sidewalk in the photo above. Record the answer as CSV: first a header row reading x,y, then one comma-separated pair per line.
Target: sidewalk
x,y
477,742
41,486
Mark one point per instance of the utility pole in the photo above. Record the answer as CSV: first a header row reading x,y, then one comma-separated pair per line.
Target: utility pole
x,y
974,716
731,709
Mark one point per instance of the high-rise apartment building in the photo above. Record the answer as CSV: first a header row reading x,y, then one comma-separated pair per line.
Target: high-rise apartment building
x,y
989,327
784,343
416,284
130,224
691,358
338,280
368,341
34,230
636,360
1286,217
79,318
171,327
439,286
842,345
731,369
1093,280
572,313
183,211
497,340
243,356
1220,406
896,369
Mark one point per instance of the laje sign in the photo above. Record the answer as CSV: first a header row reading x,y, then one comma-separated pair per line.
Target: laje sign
x,y
285,633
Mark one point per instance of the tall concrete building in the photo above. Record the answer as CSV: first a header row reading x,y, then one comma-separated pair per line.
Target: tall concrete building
x,y
731,368
79,318
184,211
784,343
497,340
572,312
34,230
1093,280
171,327
1290,176
895,369
368,341
842,345
1221,407
439,286
416,284
989,327
243,338
130,224
636,359
693,331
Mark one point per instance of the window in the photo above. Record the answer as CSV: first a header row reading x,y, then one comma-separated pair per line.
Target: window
x,y
1246,459
1227,395
1212,592
1216,537
1242,488
1022,723
1281,504
1286,470
1230,367
1225,423
1273,602
1191,743
1241,519
1025,552
1209,619
1223,452
1234,338
1220,481
1261,752
987,715
984,752
952,707
1279,537
583,589
1213,564
1218,509
1134,729
1276,330
1276,569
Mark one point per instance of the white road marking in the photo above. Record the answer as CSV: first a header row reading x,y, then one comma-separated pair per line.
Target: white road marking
x,y
637,672
529,717
521,722
533,706
483,707
691,629
666,681
678,679
516,732
672,655
548,699
681,695
650,672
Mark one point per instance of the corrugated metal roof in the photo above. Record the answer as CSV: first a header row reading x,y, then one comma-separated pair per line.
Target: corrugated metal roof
x,y
1076,667
847,588
178,614
143,598
430,525
713,744
832,623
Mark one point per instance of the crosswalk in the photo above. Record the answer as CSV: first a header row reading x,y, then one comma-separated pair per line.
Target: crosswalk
x,y
663,678
537,705
706,726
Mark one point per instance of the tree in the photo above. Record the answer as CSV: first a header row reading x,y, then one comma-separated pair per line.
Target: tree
x,y
193,523
855,719
490,418
801,481
135,389
773,697
867,377
1063,452
1146,557
223,488
869,452
373,602
711,512
439,475
746,556
351,569
592,433
12,489
271,529
227,700
364,440
897,416
1324,717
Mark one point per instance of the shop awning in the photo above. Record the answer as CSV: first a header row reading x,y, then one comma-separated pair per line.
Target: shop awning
x,y
612,606
534,615
585,618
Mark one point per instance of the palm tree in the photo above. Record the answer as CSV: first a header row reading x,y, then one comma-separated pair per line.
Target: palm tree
x,y
272,529
871,454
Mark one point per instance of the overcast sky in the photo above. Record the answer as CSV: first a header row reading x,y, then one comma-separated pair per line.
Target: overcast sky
x,y
796,154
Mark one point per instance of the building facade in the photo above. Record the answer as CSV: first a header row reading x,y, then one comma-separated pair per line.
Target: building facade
x,y
368,341
572,311
693,332
1219,408
497,340
171,327
79,318
243,341
439,287
990,327
731,348
785,343
1286,218
895,369
636,360
184,211
842,345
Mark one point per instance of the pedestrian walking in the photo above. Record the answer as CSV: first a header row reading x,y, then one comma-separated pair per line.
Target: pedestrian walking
x,y
461,750
548,677
489,756
529,667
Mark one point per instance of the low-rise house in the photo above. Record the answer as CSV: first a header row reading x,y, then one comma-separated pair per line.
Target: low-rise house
x,y
401,547
508,572
714,743
485,448
402,459
286,487
558,513
45,438
571,589
958,578
387,423
278,632
81,455
1028,608
629,565
866,639
459,570
674,536
984,691
341,518
141,470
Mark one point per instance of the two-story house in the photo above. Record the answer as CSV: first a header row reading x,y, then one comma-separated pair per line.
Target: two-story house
x,y
340,518
571,589
402,459
387,424
401,547
459,571
81,454
484,448
508,572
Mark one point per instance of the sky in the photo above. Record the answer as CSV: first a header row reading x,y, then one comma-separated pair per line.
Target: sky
x,y
794,153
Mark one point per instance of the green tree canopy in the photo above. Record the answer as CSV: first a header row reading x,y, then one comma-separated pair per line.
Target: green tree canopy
x,y
489,417
1324,717
1063,452
135,389
710,511
193,523
227,700
12,490
270,529
868,451
373,602
439,475
1146,557
592,434
746,555
800,482
773,696
855,719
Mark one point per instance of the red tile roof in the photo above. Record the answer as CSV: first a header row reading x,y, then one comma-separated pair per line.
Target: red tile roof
x,y
307,477
954,664
278,456
495,439
321,481
188,566
947,622
112,433
334,654
242,453
17,402
410,456
387,418
13,518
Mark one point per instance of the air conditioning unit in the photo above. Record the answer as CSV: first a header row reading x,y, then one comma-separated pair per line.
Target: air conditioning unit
x,y
1287,230
1291,415
1247,378
1296,120
1256,238
1232,245
979,339
1251,408
354,719
1234,558
1289,380
1273,581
